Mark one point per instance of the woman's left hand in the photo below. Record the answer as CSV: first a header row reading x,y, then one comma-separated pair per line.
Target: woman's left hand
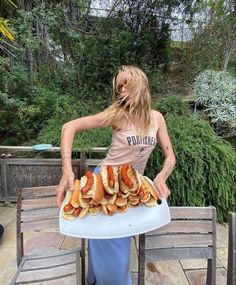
x,y
161,187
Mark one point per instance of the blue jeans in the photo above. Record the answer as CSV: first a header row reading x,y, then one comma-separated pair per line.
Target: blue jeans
x,y
109,260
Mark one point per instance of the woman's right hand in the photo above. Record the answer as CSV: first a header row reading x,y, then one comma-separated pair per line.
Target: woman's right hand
x,y
67,181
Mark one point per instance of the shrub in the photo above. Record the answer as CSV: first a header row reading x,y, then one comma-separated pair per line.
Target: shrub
x,y
205,170
51,132
216,91
172,105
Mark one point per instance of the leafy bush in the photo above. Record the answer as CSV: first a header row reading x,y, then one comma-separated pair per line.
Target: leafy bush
x,y
51,132
17,118
172,105
205,171
216,91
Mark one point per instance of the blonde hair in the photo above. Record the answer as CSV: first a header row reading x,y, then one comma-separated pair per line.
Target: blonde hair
x,y
131,98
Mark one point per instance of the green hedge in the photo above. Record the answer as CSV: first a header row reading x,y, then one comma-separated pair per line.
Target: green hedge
x,y
205,170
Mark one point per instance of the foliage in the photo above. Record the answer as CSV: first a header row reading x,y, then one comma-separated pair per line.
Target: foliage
x,y
51,131
16,82
213,43
205,171
216,91
172,105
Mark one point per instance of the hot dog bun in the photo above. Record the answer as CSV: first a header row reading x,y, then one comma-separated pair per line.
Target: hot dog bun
x,y
110,173
147,193
122,204
74,201
128,179
67,214
109,209
95,192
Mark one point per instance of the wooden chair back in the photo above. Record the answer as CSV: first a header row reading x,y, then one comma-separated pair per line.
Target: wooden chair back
x,y
191,234
36,211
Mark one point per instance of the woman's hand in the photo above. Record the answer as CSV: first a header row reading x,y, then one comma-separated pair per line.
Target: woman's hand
x,y
67,181
160,184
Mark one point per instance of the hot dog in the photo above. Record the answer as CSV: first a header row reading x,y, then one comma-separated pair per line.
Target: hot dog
x,y
93,191
110,179
128,179
68,211
114,190
147,193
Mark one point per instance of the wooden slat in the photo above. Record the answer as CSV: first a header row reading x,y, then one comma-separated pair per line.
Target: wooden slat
x,y
178,253
45,202
35,161
93,162
39,214
33,264
184,227
198,213
52,224
34,192
69,280
53,149
27,277
178,240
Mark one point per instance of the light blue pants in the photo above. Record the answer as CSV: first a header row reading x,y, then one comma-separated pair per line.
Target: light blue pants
x,y
109,260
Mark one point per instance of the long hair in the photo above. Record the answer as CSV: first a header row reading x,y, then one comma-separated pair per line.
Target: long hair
x,y
131,98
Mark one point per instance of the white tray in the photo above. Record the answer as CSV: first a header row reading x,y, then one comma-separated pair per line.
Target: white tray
x,y
134,221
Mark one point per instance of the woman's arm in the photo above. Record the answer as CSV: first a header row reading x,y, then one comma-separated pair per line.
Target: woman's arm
x,y
67,136
169,162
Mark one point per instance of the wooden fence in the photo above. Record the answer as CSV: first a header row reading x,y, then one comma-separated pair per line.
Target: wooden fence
x,y
30,172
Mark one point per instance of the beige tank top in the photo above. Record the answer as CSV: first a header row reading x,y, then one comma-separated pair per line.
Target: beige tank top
x,y
128,146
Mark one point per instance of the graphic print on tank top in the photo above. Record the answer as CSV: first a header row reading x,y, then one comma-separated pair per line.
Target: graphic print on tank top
x,y
142,143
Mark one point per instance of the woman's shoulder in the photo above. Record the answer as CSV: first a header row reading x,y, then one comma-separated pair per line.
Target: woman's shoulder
x,y
158,118
157,114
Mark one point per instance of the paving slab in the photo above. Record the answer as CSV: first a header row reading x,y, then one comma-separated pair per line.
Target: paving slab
x,y
8,253
197,263
222,256
167,272
7,214
43,240
198,277
71,242
222,235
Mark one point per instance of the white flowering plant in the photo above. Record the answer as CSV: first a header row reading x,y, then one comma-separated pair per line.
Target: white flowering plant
x,y
216,91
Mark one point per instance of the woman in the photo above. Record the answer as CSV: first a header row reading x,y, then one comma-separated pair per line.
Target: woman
x,y
136,129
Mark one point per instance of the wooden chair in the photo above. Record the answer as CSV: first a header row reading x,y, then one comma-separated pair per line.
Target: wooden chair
x,y
231,274
190,235
37,211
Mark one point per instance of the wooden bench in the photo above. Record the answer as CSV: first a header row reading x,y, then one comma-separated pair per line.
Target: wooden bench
x,y
190,235
36,212
231,274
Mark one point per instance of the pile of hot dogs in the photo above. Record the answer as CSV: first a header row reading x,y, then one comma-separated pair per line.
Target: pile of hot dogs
x,y
113,190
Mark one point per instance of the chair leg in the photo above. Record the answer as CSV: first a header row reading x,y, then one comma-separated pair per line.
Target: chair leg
x,y
83,261
231,273
78,270
211,272
141,260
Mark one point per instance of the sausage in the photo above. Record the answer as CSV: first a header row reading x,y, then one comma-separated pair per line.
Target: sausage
x,y
127,181
111,180
68,207
89,182
141,192
76,212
